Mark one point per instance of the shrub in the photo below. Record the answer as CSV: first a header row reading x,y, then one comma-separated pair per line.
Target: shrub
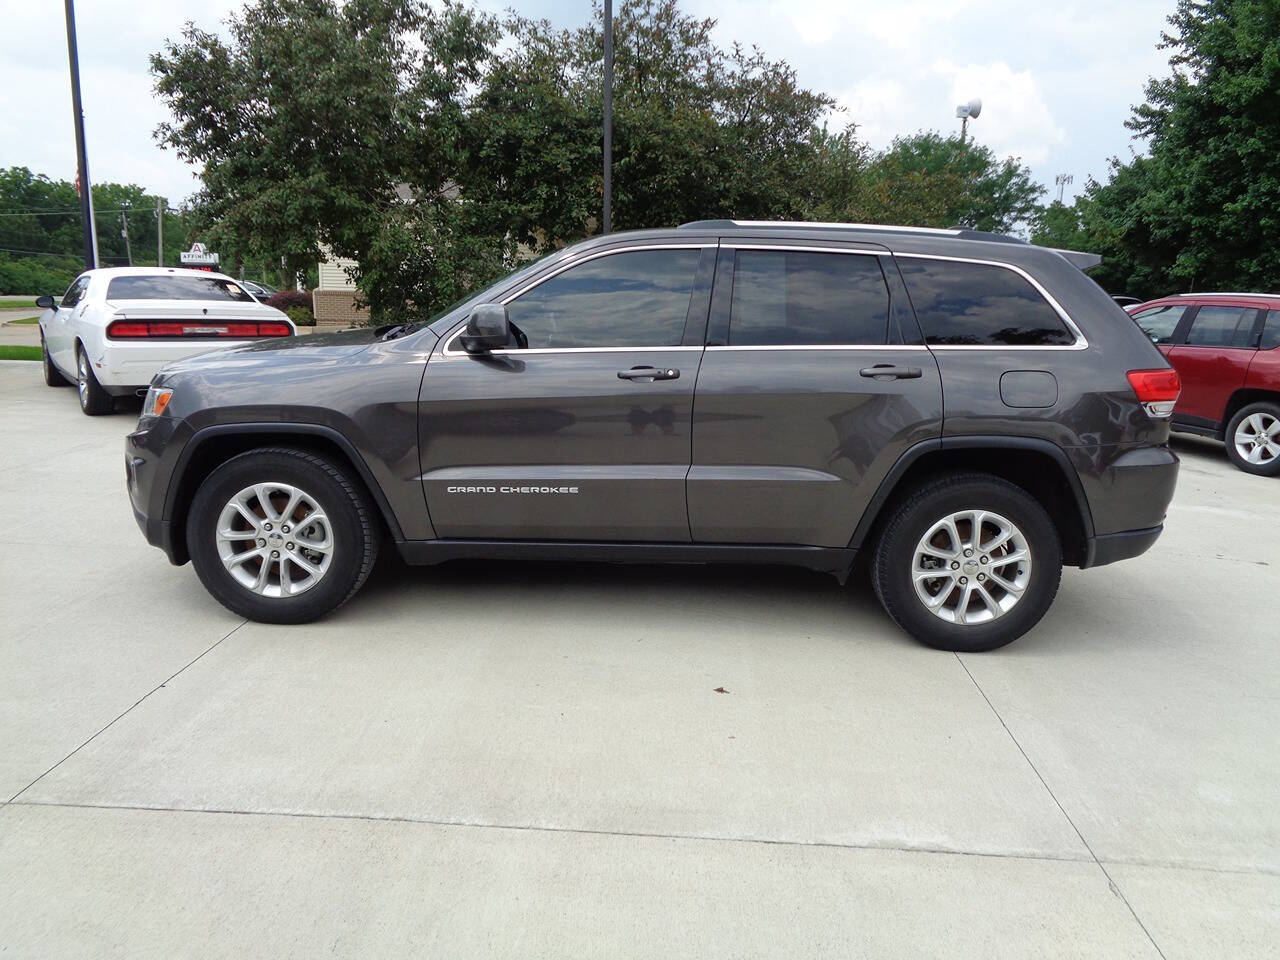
x,y
291,298
35,277
300,316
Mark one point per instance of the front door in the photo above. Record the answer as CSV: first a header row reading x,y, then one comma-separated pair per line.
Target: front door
x,y
1214,360
60,335
585,434
813,379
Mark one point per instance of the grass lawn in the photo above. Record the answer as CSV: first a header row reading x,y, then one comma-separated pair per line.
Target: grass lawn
x,y
10,352
24,320
16,304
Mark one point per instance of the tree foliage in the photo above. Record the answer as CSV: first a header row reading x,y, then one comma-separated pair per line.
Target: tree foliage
x,y
436,145
1201,210
41,245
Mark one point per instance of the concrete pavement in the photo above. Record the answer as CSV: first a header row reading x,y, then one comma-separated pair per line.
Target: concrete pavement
x,y
532,760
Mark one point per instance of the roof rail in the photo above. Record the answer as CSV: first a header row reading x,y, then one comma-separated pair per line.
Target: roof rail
x,y
816,225
1076,258
1224,293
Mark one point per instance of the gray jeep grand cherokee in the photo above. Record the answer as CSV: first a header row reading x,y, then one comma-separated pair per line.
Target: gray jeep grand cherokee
x,y
970,411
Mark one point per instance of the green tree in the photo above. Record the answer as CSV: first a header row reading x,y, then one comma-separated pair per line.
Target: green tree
x,y
1202,209
41,235
321,123
928,179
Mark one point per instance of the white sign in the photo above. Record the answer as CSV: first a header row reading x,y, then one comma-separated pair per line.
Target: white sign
x,y
198,255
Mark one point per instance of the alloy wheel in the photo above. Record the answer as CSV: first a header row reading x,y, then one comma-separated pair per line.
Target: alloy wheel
x,y
971,567
82,377
1257,439
275,540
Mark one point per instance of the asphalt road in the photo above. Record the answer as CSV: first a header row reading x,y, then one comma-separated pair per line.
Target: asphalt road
x,y
518,760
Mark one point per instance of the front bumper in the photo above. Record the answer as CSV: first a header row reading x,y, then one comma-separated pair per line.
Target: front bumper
x,y
150,454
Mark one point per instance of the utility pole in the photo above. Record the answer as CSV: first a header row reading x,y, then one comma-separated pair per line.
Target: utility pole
x,y
1062,180
608,115
124,232
159,231
82,161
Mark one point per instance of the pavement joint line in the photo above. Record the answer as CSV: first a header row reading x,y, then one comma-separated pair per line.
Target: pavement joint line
x,y
121,716
1115,887
535,828
643,835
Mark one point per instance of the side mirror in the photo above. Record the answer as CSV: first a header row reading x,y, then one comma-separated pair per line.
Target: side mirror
x,y
46,303
488,328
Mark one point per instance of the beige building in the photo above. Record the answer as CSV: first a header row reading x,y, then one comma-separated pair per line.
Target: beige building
x,y
334,299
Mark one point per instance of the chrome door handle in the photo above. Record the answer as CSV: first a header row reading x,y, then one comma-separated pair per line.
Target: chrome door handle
x,y
649,374
887,371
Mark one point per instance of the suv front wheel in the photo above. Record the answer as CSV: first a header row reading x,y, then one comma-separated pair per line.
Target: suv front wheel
x,y
281,535
968,562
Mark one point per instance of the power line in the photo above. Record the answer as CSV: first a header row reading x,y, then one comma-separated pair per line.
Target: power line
x,y
67,213
40,253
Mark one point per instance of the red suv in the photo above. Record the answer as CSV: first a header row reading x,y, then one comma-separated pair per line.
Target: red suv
x,y
1224,347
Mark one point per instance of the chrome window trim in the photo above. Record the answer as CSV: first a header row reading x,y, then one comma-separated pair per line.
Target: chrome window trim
x,y
822,346
448,351
1081,342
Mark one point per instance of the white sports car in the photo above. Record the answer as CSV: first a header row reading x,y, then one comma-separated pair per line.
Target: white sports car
x,y
115,328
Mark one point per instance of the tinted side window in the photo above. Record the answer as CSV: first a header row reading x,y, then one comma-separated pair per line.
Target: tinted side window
x,y
1158,323
1271,332
798,298
76,292
1221,327
176,287
635,299
977,304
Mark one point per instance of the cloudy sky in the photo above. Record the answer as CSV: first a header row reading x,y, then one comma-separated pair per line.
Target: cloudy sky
x,y
1056,79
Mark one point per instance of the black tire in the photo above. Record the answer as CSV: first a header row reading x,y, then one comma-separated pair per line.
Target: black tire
x,y
333,488
94,401
52,378
916,514
1268,414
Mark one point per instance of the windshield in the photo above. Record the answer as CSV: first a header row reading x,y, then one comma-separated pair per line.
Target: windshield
x,y
176,287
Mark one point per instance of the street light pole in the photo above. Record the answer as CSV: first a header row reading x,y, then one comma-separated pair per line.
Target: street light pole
x,y
607,221
82,160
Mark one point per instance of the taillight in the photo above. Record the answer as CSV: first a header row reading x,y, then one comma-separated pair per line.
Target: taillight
x,y
1157,390
178,330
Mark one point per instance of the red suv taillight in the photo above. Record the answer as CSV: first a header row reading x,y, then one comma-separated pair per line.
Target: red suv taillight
x,y
1157,390
170,330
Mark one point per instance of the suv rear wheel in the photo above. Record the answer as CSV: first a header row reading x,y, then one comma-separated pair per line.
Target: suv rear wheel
x,y
281,535
968,562
1253,439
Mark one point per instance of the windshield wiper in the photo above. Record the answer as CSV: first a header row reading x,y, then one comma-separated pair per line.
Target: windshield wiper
x,y
393,330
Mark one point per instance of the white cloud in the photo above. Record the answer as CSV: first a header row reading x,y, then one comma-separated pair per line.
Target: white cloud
x,y
1015,118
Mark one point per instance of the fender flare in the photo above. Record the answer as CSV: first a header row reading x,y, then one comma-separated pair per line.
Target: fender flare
x,y
913,453
309,429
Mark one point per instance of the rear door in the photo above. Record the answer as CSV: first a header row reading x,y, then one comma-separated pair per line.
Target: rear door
x,y
584,434
812,384
1214,359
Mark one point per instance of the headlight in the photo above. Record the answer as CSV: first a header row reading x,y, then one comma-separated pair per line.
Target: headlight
x,y
156,402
